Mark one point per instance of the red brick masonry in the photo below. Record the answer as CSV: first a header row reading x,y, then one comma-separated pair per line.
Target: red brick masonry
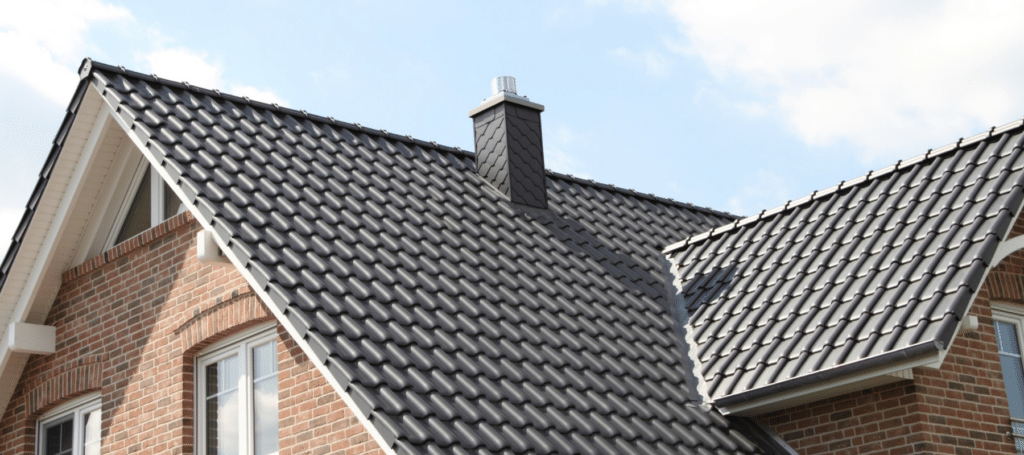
x,y
130,323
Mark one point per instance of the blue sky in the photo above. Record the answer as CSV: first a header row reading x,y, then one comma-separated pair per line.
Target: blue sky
x,y
739,106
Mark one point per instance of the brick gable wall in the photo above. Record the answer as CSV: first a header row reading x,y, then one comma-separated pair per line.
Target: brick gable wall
x,y
129,325
958,409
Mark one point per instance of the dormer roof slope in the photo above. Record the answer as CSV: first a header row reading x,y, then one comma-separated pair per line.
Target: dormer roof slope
x,y
868,273
452,320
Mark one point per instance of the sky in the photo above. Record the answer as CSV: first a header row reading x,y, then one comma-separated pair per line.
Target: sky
x,y
739,106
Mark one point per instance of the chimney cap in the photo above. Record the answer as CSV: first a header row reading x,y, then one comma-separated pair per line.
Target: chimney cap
x,y
503,84
503,88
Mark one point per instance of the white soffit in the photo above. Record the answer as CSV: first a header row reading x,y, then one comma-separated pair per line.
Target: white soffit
x,y
54,233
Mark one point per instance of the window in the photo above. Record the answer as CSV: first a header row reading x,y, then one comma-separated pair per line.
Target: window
x,y
132,198
237,397
1008,327
71,429
152,203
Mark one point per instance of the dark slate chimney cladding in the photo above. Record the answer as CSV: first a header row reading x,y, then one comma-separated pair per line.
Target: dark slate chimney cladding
x,y
509,152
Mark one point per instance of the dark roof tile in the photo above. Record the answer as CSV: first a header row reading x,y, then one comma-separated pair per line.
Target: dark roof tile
x,y
873,267
457,322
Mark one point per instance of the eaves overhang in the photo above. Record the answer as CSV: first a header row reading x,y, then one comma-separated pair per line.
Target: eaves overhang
x,y
832,382
42,244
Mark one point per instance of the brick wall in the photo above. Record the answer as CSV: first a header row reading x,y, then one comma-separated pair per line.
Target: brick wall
x,y
129,325
959,409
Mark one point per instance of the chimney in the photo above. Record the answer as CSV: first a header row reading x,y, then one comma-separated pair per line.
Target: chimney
x,y
509,152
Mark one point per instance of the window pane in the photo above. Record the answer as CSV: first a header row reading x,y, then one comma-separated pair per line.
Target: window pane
x,y
264,360
1013,373
172,205
92,433
1018,436
59,437
222,406
1014,378
264,391
1006,338
138,217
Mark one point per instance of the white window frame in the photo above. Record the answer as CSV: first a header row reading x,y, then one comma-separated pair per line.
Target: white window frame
x,y
156,199
241,345
76,409
1012,314
134,177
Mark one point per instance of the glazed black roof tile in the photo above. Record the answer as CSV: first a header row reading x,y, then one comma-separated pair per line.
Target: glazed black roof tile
x,y
457,322
875,269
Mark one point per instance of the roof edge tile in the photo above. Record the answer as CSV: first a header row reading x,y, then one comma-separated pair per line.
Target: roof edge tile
x,y
869,176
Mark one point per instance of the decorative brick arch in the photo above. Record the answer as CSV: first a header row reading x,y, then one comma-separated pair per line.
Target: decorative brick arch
x,y
1005,281
224,318
69,381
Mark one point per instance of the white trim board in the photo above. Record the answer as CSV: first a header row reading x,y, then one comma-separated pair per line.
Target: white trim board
x,y
50,238
897,371
1008,247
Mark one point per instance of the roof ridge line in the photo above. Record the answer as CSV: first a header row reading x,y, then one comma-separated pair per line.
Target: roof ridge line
x,y
633,193
88,65
871,175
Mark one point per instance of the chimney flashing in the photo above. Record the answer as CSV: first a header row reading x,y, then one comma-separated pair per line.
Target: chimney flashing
x,y
504,97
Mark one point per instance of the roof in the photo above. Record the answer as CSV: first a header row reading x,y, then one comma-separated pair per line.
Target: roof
x,y
874,270
454,321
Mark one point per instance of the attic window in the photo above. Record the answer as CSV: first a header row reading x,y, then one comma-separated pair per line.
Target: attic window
x,y
138,217
152,203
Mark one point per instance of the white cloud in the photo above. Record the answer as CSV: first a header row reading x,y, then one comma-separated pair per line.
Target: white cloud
x,y
887,77
559,161
59,25
752,108
43,41
10,216
653,62
265,96
197,68
766,190
564,135
183,64
556,159
631,5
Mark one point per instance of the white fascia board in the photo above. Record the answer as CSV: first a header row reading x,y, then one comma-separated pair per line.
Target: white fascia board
x,y
1008,247
13,364
896,371
65,200
37,253
261,292
26,338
